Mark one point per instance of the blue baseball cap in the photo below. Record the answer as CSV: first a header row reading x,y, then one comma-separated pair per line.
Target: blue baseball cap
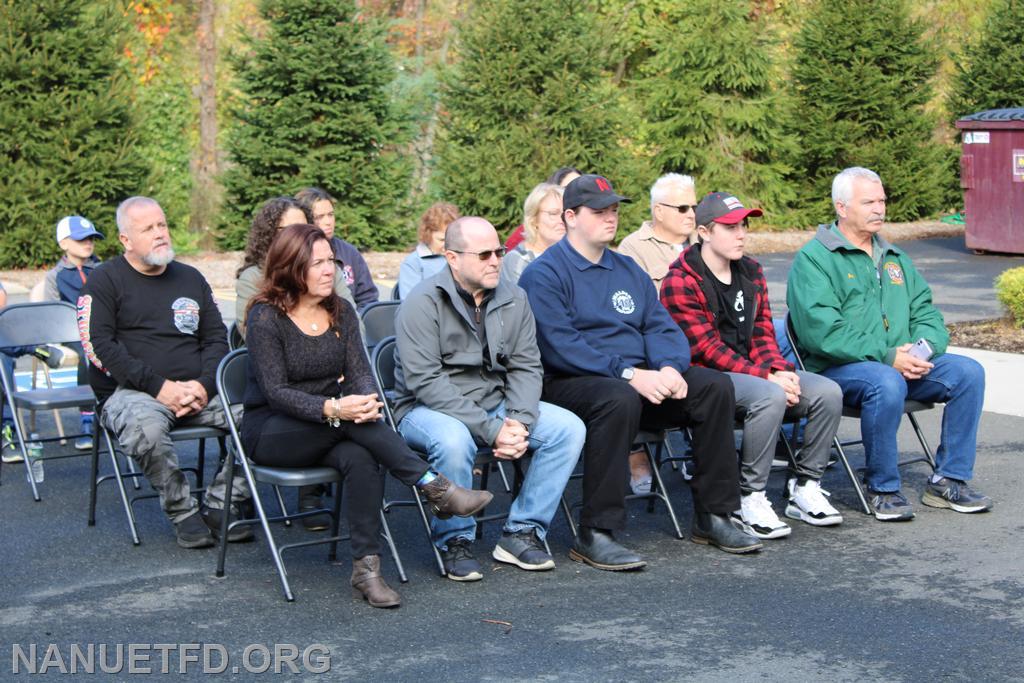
x,y
77,228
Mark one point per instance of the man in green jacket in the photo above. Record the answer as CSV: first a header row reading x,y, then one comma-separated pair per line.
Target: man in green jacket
x,y
859,309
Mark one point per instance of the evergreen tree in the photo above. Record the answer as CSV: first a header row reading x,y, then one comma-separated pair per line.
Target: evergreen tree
x,y
709,98
314,109
991,73
526,96
67,136
862,76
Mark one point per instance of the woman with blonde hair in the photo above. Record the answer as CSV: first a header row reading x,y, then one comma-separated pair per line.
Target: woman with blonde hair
x,y
542,227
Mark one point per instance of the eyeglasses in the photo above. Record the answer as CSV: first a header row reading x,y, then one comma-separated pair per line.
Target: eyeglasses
x,y
682,208
484,255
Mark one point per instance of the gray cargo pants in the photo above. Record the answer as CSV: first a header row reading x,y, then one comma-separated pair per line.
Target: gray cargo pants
x,y
142,425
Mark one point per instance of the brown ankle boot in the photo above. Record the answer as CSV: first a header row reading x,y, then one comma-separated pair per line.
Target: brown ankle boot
x,y
447,499
368,584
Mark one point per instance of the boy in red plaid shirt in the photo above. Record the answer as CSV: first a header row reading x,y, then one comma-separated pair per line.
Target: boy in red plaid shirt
x,y
719,298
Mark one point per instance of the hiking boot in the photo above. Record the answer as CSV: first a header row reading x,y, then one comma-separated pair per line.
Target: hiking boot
x,y
890,506
193,533
311,498
50,354
598,548
368,584
719,531
955,495
213,518
447,499
808,502
459,562
757,518
524,550
11,452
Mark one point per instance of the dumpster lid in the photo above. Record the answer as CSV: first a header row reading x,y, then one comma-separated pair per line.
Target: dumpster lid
x,y
994,118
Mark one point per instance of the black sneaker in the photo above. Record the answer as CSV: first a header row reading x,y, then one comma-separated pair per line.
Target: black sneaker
x,y
524,550
193,533
459,563
955,495
890,506
50,354
213,518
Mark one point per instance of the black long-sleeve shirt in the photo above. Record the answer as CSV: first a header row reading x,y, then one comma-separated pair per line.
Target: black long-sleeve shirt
x,y
140,330
293,373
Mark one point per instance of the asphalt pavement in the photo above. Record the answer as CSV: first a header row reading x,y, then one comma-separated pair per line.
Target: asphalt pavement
x,y
938,598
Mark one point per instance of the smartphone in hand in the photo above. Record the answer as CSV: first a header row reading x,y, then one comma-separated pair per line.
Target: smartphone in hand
x,y
921,349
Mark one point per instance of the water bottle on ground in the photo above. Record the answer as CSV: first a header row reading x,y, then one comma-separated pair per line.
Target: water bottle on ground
x,y
34,466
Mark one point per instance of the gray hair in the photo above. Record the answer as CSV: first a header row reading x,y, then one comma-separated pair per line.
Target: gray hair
x,y
842,184
670,181
124,207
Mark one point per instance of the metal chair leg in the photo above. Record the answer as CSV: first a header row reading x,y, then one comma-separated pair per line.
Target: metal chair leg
x,y
426,527
928,452
280,504
851,474
119,479
386,532
654,456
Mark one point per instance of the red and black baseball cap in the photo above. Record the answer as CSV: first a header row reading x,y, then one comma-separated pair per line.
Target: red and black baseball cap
x,y
722,207
591,191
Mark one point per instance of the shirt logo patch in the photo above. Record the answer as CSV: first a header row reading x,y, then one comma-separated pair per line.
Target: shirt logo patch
x,y
623,303
851,276
894,272
348,275
186,315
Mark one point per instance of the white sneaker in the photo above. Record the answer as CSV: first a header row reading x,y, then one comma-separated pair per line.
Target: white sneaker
x,y
809,503
757,517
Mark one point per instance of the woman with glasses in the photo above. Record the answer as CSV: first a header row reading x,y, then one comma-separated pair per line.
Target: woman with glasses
x,y
270,219
542,227
311,400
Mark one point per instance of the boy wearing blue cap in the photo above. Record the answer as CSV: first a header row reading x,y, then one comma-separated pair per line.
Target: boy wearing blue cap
x,y
75,235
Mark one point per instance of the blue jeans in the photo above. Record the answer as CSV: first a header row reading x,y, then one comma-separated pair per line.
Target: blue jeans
x,y
556,441
879,391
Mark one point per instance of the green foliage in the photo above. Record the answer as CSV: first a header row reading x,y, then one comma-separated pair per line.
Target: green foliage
x,y
711,106
526,96
990,75
67,135
313,109
861,78
1010,292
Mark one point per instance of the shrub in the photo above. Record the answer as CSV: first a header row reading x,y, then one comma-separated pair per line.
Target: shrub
x,y
1010,292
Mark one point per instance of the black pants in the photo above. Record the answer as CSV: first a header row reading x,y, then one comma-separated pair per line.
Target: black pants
x,y
614,412
360,452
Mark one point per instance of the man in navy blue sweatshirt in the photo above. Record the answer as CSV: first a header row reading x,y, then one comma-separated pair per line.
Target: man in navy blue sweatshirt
x,y
613,356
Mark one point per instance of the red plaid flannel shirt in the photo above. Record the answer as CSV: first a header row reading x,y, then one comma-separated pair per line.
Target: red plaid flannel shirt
x,y
687,303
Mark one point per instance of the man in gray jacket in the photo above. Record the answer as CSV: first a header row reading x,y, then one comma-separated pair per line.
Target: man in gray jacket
x,y
469,376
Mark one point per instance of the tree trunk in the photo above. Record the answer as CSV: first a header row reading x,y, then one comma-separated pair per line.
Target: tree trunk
x,y
205,191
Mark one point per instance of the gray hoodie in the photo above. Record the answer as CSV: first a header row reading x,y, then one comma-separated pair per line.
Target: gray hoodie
x,y
440,363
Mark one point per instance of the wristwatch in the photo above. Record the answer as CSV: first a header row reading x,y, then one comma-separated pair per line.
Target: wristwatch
x,y
627,373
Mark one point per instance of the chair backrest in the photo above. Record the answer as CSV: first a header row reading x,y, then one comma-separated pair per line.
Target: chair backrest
x,y
379,321
791,336
396,295
383,366
232,375
44,322
235,339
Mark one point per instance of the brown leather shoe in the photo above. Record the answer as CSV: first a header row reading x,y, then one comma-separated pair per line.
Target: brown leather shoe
x,y
368,584
447,499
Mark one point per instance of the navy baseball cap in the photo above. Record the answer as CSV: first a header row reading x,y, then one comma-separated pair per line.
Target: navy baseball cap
x,y
77,228
722,207
591,191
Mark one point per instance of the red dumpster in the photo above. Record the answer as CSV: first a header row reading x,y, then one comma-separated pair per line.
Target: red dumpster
x,y
992,176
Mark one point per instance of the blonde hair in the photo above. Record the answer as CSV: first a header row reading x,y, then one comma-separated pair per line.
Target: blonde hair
x,y
531,207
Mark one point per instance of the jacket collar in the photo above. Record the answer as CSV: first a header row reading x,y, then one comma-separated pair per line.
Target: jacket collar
x,y
445,281
423,251
90,262
833,240
578,260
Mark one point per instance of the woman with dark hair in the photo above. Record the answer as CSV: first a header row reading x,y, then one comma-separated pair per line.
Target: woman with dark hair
x,y
311,400
274,215
427,259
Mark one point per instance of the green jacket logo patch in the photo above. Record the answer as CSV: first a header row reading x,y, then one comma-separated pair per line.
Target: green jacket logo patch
x,y
895,272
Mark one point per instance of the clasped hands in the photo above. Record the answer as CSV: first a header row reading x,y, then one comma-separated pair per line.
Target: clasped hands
x,y
658,385
512,440
790,383
183,398
909,366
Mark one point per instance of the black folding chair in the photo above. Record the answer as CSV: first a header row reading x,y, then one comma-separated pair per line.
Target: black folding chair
x,y
36,324
383,365
379,321
235,339
910,407
232,375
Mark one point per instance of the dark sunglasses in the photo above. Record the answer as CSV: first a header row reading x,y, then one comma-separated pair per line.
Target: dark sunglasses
x,y
682,208
485,255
